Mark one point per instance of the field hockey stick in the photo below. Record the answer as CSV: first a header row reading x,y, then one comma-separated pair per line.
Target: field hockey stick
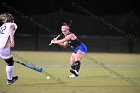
x,y
56,38
30,66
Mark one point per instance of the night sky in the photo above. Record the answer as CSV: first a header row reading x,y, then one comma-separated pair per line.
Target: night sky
x,y
99,7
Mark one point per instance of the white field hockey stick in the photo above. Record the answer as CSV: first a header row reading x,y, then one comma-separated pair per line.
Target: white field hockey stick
x,y
56,38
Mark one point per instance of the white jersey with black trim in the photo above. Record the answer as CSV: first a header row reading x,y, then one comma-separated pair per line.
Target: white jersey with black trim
x,y
5,33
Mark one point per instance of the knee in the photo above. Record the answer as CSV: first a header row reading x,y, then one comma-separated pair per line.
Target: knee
x,y
78,58
10,61
72,63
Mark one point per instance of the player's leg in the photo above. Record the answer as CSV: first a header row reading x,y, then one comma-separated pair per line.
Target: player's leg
x,y
6,55
72,61
9,71
79,55
72,64
76,63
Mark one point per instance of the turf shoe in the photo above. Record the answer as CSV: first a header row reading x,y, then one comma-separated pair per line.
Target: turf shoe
x,y
9,82
74,72
73,76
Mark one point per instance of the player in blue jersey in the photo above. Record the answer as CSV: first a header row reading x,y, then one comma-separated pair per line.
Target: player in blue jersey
x,y
79,49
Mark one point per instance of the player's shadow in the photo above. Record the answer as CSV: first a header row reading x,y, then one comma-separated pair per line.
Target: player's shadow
x,y
43,84
91,77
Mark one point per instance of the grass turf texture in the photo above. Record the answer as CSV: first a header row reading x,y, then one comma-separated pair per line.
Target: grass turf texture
x,y
93,78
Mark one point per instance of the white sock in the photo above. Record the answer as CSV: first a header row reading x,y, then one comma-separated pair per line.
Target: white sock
x,y
9,71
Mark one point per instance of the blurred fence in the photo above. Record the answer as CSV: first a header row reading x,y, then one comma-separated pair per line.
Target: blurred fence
x,y
94,44
34,32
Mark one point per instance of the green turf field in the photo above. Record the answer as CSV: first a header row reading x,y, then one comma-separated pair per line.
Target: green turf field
x,y
94,77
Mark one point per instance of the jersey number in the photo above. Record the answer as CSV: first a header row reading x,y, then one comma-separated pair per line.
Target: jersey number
x,y
2,29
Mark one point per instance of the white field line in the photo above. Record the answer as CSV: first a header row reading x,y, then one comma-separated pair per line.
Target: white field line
x,y
108,65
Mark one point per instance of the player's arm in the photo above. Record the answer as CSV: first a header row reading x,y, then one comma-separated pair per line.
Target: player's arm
x,y
62,42
12,42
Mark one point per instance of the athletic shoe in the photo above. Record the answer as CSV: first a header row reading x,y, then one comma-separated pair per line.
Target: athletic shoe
x,y
9,82
74,72
73,76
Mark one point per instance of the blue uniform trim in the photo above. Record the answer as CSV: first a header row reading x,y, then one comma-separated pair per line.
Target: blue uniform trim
x,y
81,47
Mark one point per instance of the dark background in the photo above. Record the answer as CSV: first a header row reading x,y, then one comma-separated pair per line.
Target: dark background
x,y
99,7
109,25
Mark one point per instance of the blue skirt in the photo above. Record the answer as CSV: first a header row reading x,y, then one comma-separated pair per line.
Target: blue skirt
x,y
81,47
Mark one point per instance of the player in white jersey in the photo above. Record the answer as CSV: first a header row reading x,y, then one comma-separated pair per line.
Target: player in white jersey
x,y
7,31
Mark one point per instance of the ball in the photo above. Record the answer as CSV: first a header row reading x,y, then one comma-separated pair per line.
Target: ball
x,y
47,77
